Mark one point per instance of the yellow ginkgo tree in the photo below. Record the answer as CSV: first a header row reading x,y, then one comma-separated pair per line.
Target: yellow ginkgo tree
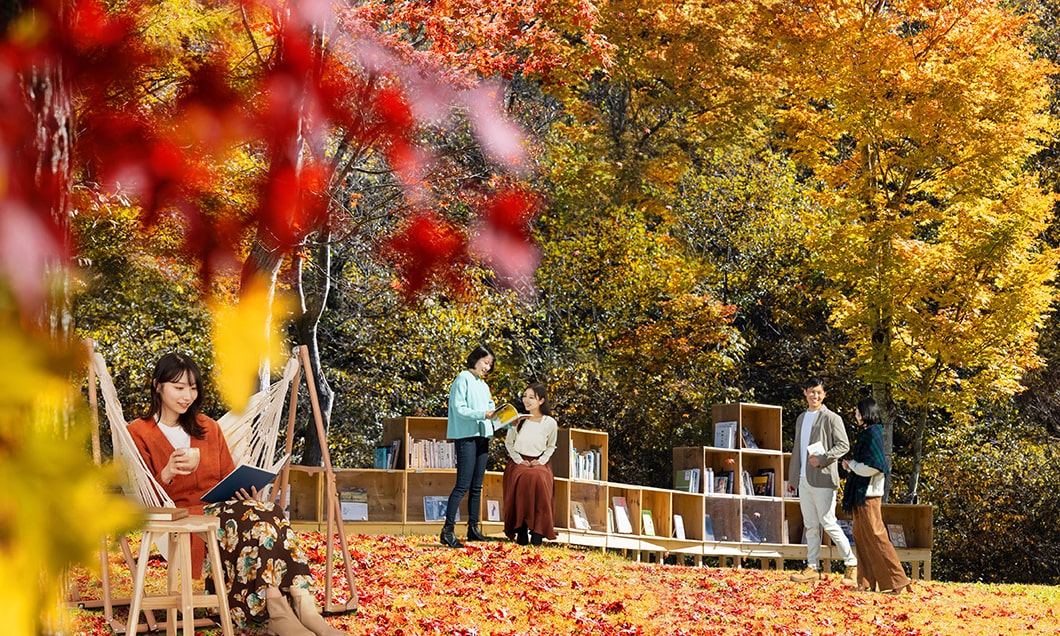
x,y
917,120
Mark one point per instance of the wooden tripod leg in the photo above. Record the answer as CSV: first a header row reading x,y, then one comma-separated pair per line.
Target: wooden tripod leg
x,y
333,511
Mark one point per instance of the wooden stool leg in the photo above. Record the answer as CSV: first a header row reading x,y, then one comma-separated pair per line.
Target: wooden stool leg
x,y
187,604
172,569
138,584
219,583
130,562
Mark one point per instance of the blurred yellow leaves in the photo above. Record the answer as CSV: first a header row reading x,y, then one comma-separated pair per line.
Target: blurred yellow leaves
x,y
55,504
244,337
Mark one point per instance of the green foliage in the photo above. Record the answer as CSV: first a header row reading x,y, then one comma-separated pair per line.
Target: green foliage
x,y
137,298
994,485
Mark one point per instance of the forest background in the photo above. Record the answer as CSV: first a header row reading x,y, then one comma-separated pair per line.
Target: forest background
x,y
651,207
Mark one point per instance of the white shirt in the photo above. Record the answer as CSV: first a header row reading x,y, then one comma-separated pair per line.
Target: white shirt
x,y
804,440
176,435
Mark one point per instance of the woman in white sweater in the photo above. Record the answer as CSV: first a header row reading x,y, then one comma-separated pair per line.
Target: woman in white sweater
x,y
528,493
878,563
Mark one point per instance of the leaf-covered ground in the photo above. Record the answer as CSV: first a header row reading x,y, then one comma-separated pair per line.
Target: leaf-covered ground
x,y
412,585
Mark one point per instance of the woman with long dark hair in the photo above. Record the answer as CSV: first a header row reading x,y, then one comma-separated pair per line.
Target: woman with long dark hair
x,y
528,479
264,560
878,563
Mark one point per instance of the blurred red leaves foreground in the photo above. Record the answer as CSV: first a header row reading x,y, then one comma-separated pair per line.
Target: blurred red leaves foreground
x,y
411,585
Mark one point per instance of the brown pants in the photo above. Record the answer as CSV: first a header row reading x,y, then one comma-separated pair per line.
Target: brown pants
x,y
877,561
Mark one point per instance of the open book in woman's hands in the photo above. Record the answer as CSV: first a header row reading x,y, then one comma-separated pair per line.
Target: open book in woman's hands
x,y
505,416
244,477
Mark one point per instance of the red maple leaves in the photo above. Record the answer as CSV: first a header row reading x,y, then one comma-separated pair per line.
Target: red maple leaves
x,y
167,153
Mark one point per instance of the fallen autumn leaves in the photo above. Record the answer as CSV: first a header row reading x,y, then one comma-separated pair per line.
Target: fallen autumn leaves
x,y
411,585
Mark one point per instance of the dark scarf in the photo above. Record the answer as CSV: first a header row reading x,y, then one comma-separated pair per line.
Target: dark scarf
x,y
868,450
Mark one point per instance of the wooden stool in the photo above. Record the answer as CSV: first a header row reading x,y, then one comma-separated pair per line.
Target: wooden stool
x,y
179,533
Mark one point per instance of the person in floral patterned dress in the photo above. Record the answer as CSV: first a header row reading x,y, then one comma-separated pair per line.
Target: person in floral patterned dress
x,y
266,569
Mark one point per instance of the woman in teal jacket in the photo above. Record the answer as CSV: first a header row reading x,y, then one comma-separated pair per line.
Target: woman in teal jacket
x,y
470,429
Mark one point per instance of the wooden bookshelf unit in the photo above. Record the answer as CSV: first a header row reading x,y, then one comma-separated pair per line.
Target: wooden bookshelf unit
x,y
743,525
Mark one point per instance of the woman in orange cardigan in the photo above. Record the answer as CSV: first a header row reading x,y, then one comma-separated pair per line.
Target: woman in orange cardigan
x,y
188,455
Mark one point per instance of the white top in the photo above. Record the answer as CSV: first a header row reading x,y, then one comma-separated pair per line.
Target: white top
x,y
536,439
804,441
176,435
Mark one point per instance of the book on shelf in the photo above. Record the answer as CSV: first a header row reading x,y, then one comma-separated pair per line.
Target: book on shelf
x,y
385,457
762,483
897,533
679,527
586,464
725,435
379,457
622,521
610,520
244,477
687,480
708,481
746,484
493,510
723,483
353,504
848,529
581,520
647,523
708,528
431,453
505,416
748,438
162,513
434,508
749,531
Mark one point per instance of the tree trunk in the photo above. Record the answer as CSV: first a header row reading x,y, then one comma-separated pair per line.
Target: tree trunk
x,y
918,455
313,296
882,392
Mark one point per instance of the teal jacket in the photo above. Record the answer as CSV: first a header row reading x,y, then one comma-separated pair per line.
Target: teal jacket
x,y
469,400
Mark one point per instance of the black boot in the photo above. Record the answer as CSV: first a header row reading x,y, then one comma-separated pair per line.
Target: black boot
x,y
536,539
474,534
521,536
447,537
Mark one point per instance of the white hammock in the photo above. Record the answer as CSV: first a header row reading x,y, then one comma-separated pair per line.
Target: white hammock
x,y
251,434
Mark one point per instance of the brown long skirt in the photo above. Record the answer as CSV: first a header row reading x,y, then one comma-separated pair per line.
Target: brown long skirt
x,y
528,498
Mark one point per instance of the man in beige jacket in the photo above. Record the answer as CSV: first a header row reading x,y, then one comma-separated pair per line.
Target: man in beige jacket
x,y
820,442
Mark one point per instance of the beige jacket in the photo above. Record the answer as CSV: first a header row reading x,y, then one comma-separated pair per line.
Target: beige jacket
x,y
827,429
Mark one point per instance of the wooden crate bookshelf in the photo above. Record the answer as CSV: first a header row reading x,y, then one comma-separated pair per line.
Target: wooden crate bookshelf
x,y
690,508
632,496
766,517
492,490
307,495
593,497
570,442
762,421
395,497
659,504
724,511
793,522
383,489
429,483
